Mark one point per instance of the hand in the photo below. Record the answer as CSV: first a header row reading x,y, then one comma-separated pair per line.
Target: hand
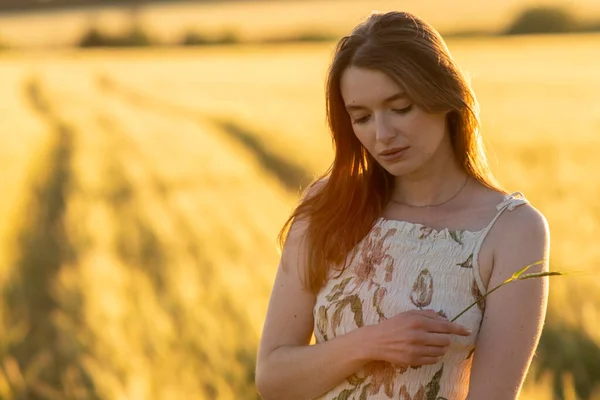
x,y
413,338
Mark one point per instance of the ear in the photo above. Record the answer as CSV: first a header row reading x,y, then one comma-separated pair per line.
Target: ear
x,y
452,120
448,112
451,115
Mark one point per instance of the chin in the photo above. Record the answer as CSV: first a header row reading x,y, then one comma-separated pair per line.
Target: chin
x,y
399,169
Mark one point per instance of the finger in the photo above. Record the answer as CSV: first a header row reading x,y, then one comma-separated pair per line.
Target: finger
x,y
436,339
448,327
429,313
432,351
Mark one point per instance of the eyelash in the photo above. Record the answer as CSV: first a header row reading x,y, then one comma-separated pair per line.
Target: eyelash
x,y
363,120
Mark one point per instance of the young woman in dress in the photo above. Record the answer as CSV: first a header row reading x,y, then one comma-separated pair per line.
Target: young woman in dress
x,y
406,229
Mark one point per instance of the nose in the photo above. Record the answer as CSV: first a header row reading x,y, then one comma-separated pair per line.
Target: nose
x,y
384,131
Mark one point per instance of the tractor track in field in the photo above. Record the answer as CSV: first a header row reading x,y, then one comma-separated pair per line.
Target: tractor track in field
x,y
44,248
146,252
290,175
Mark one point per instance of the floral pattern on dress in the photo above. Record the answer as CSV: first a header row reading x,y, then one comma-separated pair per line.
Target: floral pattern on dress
x,y
422,291
457,235
468,263
427,392
396,268
374,253
477,295
426,231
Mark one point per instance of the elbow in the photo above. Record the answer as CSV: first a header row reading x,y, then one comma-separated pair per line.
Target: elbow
x,y
264,384
266,391
268,388
273,382
261,385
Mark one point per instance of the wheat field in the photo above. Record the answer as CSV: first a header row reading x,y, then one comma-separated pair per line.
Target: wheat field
x,y
143,192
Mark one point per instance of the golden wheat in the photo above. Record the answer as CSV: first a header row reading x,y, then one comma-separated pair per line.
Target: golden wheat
x,y
183,164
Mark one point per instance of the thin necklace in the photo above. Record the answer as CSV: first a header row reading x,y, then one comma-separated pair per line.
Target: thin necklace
x,y
438,204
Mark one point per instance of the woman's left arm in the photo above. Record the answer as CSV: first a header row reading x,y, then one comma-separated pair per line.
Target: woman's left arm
x,y
514,314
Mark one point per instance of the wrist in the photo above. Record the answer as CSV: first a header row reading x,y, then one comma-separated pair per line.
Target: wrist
x,y
364,347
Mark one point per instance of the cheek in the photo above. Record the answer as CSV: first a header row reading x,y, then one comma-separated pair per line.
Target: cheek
x,y
427,133
364,136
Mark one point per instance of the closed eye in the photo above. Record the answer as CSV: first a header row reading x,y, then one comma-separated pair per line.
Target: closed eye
x,y
403,110
362,120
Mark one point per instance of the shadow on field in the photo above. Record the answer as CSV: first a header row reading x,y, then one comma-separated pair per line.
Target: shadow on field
x,y
139,246
291,176
137,242
45,360
567,350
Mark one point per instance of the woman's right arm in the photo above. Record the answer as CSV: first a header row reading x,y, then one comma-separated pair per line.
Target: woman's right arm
x,y
287,366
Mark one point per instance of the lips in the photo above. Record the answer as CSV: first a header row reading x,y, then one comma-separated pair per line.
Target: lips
x,y
393,154
391,151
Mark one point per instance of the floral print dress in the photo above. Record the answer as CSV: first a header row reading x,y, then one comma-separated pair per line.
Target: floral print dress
x,y
401,266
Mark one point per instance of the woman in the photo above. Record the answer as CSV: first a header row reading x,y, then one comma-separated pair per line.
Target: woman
x,y
406,229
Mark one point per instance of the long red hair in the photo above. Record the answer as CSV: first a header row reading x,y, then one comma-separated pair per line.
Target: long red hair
x,y
347,199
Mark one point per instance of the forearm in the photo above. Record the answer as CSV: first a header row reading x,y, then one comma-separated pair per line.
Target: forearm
x,y
305,372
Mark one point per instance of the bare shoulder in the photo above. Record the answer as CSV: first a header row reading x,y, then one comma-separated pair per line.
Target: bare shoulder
x,y
522,237
300,224
315,187
523,221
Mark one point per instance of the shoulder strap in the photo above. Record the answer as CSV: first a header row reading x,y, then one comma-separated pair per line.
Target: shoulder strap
x,y
509,202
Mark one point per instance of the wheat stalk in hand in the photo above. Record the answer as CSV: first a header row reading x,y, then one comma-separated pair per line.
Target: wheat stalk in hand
x,y
517,276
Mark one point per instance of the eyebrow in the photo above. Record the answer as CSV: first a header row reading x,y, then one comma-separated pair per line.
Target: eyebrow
x,y
396,96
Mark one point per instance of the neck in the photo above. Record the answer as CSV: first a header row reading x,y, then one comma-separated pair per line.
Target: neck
x,y
433,184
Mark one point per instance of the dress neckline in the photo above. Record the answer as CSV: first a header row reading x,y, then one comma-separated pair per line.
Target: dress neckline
x,y
409,226
510,201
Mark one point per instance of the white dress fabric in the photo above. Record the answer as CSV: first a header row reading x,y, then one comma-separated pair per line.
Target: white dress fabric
x,y
401,266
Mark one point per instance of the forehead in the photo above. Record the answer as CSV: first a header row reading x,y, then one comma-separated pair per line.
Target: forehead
x,y
367,86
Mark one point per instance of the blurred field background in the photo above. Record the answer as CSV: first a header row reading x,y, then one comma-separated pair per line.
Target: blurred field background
x,y
143,189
